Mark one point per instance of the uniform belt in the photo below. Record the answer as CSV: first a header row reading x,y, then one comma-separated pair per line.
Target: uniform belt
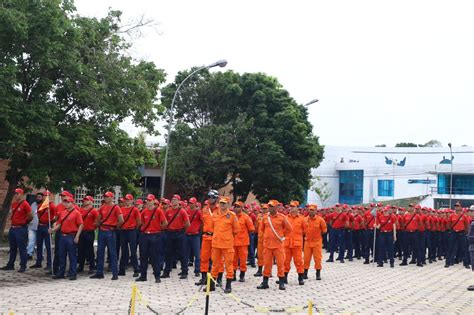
x,y
129,229
68,234
192,234
386,231
43,224
460,231
88,230
208,233
18,226
150,233
176,231
411,231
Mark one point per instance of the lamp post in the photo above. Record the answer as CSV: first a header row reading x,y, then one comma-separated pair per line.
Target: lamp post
x,y
220,63
394,163
311,102
451,179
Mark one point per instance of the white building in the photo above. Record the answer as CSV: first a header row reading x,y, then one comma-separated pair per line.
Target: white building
x,y
358,175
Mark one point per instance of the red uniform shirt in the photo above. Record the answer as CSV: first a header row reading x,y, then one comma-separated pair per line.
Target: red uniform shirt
x,y
195,221
43,214
339,220
88,217
60,209
457,222
422,226
20,211
357,222
369,219
70,221
180,220
130,216
386,222
112,219
151,223
411,224
350,218
429,223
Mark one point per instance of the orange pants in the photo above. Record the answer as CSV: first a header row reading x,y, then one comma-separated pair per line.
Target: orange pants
x,y
206,251
316,253
279,255
240,257
297,255
260,260
222,256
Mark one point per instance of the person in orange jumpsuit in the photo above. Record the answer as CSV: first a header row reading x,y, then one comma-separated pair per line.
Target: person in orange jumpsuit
x,y
294,242
242,240
274,227
225,227
260,249
313,246
209,209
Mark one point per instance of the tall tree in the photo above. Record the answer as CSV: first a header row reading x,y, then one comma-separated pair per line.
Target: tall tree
x,y
242,129
406,145
66,82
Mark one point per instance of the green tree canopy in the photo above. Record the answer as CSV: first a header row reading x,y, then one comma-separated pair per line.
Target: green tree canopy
x,y
242,129
406,145
66,82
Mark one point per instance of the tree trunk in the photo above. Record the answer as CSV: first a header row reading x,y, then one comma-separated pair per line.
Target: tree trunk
x,y
12,178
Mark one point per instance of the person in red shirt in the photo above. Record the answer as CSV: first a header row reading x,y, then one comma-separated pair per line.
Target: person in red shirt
x,y
110,218
192,241
421,237
178,222
60,208
387,225
348,233
46,213
357,232
86,241
339,222
369,222
128,236
18,234
458,226
70,226
151,239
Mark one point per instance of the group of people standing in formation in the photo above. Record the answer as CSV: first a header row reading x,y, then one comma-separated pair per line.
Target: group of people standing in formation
x,y
220,236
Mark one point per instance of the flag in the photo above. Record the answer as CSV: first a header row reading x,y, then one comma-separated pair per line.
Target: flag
x,y
373,211
45,203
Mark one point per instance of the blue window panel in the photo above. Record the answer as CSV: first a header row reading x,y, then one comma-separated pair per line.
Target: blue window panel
x,y
462,184
385,187
351,187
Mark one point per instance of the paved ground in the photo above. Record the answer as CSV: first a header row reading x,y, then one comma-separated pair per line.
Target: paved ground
x,y
345,288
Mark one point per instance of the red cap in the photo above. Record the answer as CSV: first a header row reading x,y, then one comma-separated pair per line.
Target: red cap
x,y
192,200
379,204
139,202
166,201
70,199
129,196
372,204
122,199
19,191
417,207
66,194
198,204
150,197
344,206
176,197
88,198
109,194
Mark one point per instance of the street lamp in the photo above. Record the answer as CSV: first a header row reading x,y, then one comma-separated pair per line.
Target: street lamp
x,y
311,102
451,180
220,63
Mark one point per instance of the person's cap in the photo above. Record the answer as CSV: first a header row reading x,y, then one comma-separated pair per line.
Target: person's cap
x,y
224,200
379,204
166,201
177,197
344,206
69,199
294,203
192,200
88,198
66,193
264,206
150,197
273,203
372,204
417,207
411,204
139,202
239,203
394,207
313,207
122,199
337,205
109,194
457,204
471,208
213,194
129,196
19,191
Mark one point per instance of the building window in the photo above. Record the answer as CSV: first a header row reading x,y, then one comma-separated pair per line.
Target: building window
x,y
385,187
351,187
462,184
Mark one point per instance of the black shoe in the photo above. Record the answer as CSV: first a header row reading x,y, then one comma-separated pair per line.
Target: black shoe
x,y
183,276
424,263
22,269
121,273
72,278
190,264
136,274
446,266
380,265
55,277
281,285
47,268
114,278
412,262
203,280
197,274
165,275
350,259
404,263
366,262
219,279
7,268
300,278
79,270
434,260
467,267
212,286
96,276
264,284
419,264
392,265
305,274
235,276
91,272
242,276
330,260
228,286
29,257
470,288
157,280
342,261
140,279
253,265
35,266
259,272
318,274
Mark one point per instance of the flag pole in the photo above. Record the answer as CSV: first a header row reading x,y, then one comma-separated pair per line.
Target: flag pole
x,y
375,236
50,237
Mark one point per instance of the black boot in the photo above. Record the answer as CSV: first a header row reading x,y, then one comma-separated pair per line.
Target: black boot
x,y
259,272
212,286
300,278
219,279
228,286
318,274
235,276
404,263
203,280
264,284
366,262
281,285
305,274
242,276
285,279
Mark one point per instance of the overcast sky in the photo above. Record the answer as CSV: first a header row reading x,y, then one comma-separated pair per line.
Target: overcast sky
x,y
384,71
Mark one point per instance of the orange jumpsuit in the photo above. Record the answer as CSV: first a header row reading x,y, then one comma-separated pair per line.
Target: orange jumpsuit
x,y
294,243
313,245
273,244
206,245
260,240
242,241
225,227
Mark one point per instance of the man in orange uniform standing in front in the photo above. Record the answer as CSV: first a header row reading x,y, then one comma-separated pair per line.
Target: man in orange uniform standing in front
x,y
242,240
225,227
294,242
274,227
260,260
313,245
